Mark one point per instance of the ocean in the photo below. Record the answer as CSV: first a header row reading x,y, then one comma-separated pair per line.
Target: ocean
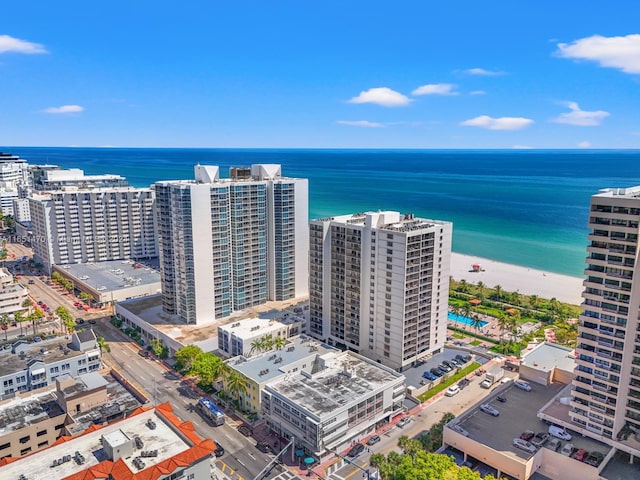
x,y
524,207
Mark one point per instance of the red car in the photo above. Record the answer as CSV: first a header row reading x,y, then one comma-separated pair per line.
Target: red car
x,y
580,455
527,435
75,304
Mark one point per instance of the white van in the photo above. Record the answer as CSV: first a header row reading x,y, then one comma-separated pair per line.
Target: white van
x,y
559,432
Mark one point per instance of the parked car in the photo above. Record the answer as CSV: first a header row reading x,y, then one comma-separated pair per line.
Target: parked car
x,y
445,368
452,390
486,408
219,451
460,430
522,385
31,282
580,455
524,445
451,364
79,321
527,435
554,444
463,383
594,459
567,450
559,432
373,440
244,430
437,372
264,447
144,353
540,439
92,321
429,376
403,421
37,339
356,450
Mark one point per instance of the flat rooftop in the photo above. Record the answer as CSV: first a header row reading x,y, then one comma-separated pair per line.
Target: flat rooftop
x,y
22,412
335,380
163,438
254,327
517,414
548,356
47,351
149,309
266,366
112,275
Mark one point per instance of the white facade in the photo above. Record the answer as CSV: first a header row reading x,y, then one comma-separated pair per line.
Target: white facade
x,y
14,181
12,295
230,244
606,390
57,179
80,225
379,285
330,402
21,211
237,338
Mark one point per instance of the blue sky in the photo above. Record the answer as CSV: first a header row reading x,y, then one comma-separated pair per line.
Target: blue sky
x,y
334,74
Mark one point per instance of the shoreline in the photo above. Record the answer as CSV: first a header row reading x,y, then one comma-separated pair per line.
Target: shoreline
x,y
527,281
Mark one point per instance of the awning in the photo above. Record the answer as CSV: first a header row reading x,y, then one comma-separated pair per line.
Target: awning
x,y
37,371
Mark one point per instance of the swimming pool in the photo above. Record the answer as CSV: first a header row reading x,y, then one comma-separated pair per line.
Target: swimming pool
x,y
466,320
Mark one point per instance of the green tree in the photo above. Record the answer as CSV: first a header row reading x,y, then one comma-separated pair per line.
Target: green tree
x,y
103,345
207,368
185,357
236,385
279,342
481,287
269,342
498,290
85,297
18,318
4,324
476,322
157,346
256,346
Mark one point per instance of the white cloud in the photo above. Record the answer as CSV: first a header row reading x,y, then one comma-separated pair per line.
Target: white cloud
x,y
614,52
483,72
64,109
522,147
15,45
436,89
478,92
584,144
502,123
581,118
361,123
382,96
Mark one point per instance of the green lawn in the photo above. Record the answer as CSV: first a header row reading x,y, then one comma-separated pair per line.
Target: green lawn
x,y
459,336
475,343
448,382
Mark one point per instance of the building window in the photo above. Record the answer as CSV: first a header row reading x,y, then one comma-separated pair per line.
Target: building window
x,y
41,433
25,439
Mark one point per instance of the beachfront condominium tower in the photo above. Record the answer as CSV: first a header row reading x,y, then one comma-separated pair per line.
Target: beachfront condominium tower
x,y
14,181
227,244
379,285
605,397
96,225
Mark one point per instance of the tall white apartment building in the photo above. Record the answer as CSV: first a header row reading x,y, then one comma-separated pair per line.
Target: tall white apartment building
x,y
379,284
96,225
229,244
605,398
14,181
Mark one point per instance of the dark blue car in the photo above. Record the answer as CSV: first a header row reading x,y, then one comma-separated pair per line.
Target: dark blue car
x,y
429,376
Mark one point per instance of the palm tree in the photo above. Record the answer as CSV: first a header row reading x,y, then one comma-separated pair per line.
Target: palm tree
x,y
481,287
457,311
279,342
268,342
476,322
236,385
466,310
498,290
256,345
4,324
18,318
533,301
464,287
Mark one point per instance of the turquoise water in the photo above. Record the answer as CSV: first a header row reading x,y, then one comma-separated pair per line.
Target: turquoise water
x,y
466,320
528,208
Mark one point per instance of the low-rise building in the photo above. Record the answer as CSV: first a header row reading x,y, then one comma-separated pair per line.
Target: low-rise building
x,y
30,366
548,363
248,336
35,420
12,295
338,398
112,281
264,367
152,444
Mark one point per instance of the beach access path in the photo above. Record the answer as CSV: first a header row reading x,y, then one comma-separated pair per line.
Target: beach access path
x,y
511,278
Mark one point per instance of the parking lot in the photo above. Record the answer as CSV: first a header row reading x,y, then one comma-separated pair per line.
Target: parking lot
x,y
414,374
518,414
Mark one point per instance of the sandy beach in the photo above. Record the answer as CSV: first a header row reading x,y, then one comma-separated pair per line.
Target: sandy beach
x,y
527,281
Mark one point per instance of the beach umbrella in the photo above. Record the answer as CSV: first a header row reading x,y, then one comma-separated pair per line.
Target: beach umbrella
x,y
309,460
